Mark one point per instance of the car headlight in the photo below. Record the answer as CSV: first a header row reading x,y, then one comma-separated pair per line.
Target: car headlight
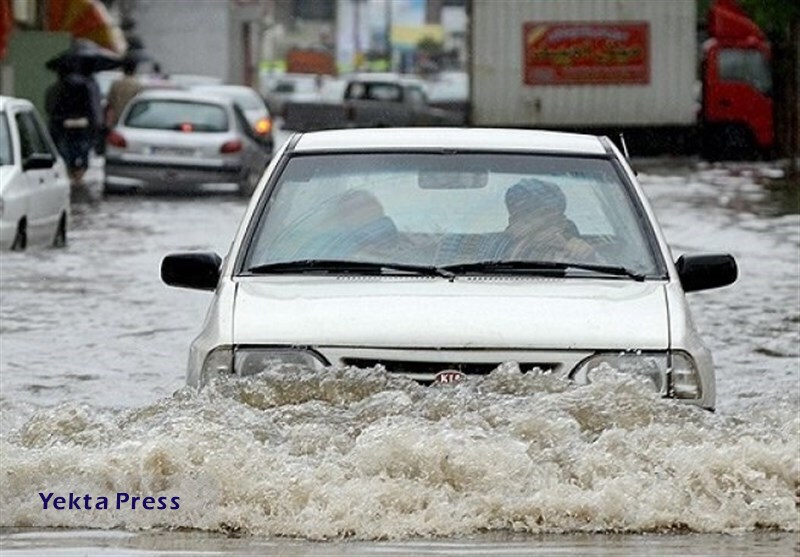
x,y
672,374
246,361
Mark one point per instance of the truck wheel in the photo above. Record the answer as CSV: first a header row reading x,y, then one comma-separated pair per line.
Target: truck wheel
x,y
730,142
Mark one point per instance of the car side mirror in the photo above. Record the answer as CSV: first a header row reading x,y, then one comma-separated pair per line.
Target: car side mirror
x,y
703,272
38,161
197,270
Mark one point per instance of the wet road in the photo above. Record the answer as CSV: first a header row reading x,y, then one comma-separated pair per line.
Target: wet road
x,y
93,346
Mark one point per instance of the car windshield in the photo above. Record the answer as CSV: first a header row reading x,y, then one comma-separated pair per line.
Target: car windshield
x,y
471,212
6,155
160,114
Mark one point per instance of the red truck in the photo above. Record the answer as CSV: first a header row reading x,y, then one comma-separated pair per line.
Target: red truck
x,y
636,67
737,113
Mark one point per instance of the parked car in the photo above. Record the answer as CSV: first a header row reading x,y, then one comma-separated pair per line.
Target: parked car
x,y
278,89
253,106
179,140
404,248
370,100
34,186
449,90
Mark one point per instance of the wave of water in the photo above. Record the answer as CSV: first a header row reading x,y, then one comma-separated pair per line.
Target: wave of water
x,y
364,455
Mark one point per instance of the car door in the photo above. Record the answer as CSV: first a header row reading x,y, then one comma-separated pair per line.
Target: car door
x,y
43,193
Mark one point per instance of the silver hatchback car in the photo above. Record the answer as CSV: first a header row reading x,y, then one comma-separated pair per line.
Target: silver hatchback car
x,y
179,140
442,253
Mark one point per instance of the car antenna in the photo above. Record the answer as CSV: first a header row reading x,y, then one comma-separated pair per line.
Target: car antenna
x,y
624,146
625,150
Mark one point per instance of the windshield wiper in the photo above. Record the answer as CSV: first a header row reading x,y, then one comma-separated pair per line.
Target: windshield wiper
x,y
336,266
545,267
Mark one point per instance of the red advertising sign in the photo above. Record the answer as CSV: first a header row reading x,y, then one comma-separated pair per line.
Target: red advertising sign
x,y
586,53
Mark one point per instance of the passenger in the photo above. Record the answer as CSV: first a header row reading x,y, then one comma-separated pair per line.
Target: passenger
x,y
361,228
538,228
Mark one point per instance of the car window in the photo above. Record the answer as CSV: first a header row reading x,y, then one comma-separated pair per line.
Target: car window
x,y
247,100
301,84
747,66
416,96
242,124
31,138
446,209
6,152
374,91
45,141
179,115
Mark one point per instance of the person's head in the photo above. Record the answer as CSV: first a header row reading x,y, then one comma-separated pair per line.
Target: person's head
x,y
535,202
358,207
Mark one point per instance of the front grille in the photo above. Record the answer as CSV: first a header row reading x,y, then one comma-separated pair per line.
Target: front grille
x,y
423,369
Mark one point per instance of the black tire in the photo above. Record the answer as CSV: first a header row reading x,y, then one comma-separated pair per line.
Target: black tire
x,y
249,184
60,240
729,143
21,237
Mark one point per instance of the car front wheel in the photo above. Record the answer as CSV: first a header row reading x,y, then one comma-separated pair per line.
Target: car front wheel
x,y
248,184
21,237
60,239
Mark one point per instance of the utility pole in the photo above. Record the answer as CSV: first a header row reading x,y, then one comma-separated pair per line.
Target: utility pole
x,y
357,34
794,100
389,56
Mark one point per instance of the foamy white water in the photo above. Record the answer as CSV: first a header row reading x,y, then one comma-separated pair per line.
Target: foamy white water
x,y
92,349
357,453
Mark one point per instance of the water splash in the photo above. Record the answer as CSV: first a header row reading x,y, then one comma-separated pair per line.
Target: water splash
x,y
358,453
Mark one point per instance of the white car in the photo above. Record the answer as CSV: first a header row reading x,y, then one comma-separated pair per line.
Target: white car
x,y
34,186
441,253
282,88
180,140
253,106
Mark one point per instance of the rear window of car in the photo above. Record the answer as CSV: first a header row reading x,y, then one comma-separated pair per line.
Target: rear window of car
x,y
6,155
159,114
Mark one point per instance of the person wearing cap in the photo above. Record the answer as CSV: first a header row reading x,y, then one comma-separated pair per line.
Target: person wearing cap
x,y
538,227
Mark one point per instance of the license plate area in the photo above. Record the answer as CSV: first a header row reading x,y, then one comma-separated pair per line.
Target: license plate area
x,y
171,151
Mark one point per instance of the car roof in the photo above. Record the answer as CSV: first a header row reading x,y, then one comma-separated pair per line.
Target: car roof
x,y
6,101
227,89
222,87
182,95
383,77
472,139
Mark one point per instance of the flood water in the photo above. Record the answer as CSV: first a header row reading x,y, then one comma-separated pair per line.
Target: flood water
x,y
92,358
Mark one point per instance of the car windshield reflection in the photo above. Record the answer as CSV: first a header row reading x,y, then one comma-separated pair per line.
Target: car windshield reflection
x,y
463,212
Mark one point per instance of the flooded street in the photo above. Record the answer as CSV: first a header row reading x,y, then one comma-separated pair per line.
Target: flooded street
x,y
93,351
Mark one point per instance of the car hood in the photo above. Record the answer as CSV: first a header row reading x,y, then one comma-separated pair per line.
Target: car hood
x,y
466,313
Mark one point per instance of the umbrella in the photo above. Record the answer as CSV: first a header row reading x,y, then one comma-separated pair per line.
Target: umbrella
x,y
84,56
87,19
